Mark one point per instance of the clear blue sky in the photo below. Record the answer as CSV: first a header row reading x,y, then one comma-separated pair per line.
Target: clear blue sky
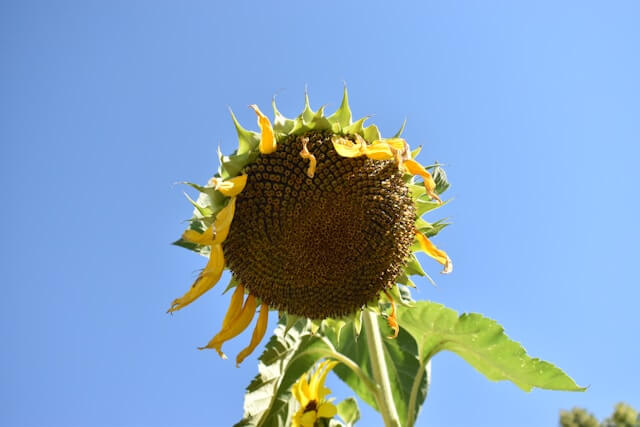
x,y
533,105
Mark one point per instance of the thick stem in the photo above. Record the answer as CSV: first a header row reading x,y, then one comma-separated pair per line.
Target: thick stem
x,y
380,374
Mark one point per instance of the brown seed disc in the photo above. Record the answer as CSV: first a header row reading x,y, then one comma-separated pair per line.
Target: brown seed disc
x,y
323,246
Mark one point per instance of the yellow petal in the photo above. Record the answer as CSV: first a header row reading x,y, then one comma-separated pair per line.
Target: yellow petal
x,y
305,154
205,281
392,320
396,143
267,138
297,393
231,187
204,239
416,168
435,253
308,419
327,410
304,388
379,150
317,389
235,306
235,327
223,220
347,148
258,334
295,422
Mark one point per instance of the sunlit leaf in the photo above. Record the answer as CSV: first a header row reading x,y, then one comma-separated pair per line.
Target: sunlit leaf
x,y
482,343
401,355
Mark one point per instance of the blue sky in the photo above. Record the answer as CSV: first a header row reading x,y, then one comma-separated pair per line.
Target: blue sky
x,y
534,106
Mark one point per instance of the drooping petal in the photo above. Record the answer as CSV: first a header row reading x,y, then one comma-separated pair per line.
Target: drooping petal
x,y
435,253
392,320
205,281
231,187
235,327
258,334
305,154
267,138
194,236
235,306
347,148
222,224
416,168
327,410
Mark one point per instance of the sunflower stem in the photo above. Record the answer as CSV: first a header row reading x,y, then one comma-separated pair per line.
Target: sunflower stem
x,y
386,404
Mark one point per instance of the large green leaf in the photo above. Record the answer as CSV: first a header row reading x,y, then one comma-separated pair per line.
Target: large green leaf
x,y
401,355
482,343
289,353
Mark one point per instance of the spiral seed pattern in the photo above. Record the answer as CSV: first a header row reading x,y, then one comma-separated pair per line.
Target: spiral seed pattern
x,y
323,246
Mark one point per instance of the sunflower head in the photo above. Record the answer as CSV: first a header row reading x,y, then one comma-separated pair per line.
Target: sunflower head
x,y
315,217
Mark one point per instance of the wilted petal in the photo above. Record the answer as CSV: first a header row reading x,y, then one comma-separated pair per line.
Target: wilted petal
x,y
392,320
258,334
194,236
267,138
223,220
379,150
235,327
347,148
416,168
231,187
435,253
305,154
205,281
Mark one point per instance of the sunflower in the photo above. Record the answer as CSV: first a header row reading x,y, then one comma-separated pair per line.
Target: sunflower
x,y
315,217
310,392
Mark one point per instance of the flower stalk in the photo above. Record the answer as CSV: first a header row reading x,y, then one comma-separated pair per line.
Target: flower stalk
x,y
386,404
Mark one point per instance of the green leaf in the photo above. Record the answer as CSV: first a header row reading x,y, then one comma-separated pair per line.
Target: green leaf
x,y
287,356
483,344
401,355
349,412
